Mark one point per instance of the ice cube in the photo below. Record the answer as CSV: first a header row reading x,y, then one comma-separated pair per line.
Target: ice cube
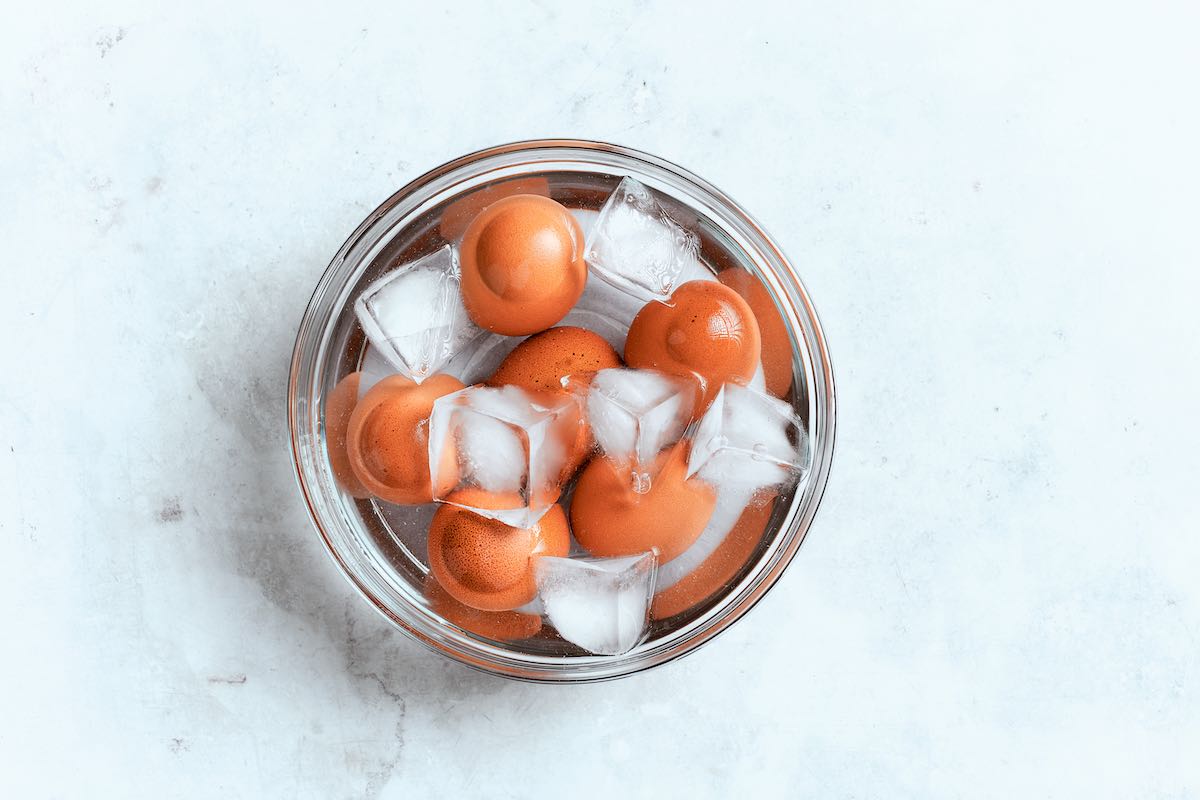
x,y
414,315
746,442
635,413
599,604
586,219
607,310
749,440
636,246
503,452
758,381
374,368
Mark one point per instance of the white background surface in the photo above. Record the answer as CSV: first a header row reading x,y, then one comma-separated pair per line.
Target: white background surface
x,y
994,206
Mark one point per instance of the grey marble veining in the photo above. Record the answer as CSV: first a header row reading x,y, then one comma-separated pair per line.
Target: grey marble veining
x,y
993,206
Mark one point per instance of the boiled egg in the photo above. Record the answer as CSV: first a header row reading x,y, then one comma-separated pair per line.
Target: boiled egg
x,y
704,330
488,565
542,361
522,265
387,440
610,519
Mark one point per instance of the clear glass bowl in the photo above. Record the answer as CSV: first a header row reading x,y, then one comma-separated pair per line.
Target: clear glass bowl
x,y
378,550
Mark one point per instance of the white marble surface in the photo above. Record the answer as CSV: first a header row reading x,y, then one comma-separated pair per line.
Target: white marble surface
x,y
994,205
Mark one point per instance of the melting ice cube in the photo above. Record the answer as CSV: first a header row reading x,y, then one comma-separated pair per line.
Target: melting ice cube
x,y
503,452
599,604
374,368
414,315
586,219
609,310
748,440
636,246
635,413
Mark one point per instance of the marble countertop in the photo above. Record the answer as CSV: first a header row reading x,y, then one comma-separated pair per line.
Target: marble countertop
x,y
993,206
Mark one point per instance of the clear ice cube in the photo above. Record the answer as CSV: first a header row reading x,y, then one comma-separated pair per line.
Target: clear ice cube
x,y
758,381
374,368
635,413
586,218
503,452
414,315
607,310
638,247
748,440
599,604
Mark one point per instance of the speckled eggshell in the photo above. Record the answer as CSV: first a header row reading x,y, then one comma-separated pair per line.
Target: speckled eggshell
x,y
522,265
609,519
704,330
541,362
488,565
387,441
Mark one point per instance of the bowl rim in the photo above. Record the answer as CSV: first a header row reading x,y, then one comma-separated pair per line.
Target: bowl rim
x,y
800,515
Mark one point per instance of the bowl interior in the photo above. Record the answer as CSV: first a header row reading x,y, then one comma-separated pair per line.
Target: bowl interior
x,y
380,547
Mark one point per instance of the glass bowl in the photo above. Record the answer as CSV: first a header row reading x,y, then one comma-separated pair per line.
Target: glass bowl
x,y
379,550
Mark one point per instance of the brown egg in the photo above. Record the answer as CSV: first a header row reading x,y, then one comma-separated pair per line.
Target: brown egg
x,y
776,345
504,626
458,215
705,330
541,362
522,265
489,565
339,405
714,572
387,441
609,519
